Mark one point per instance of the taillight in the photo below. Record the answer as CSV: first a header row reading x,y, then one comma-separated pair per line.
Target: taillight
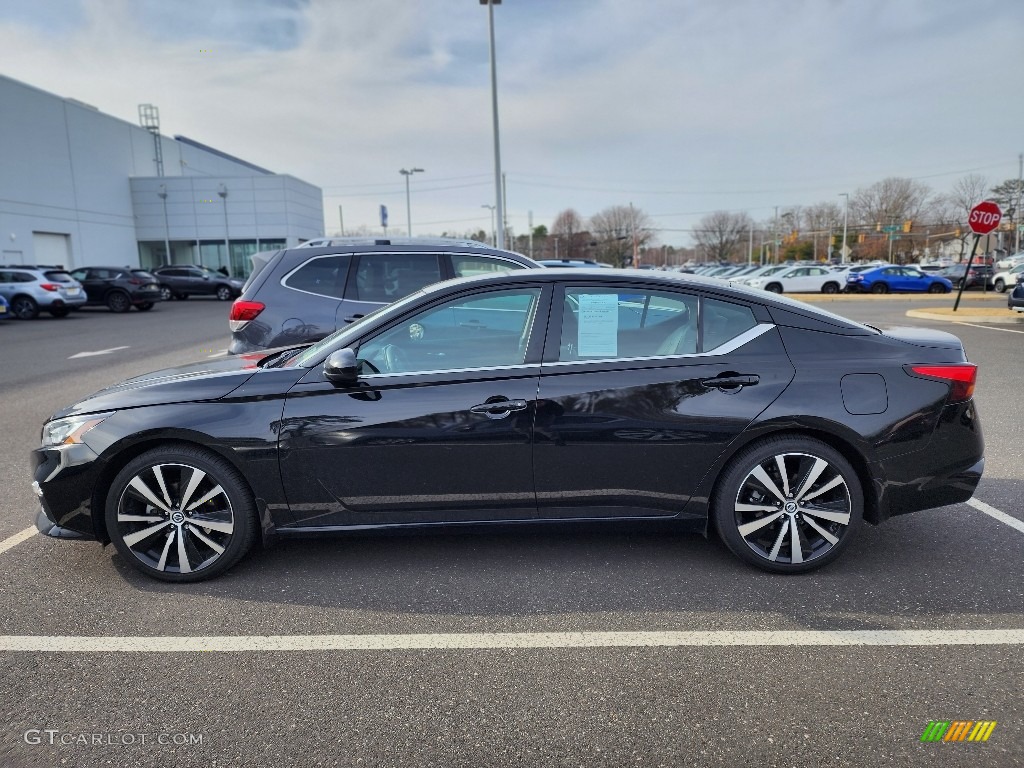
x,y
135,281
242,312
49,287
961,377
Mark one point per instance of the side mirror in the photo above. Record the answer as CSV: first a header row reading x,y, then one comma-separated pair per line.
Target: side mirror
x,y
341,367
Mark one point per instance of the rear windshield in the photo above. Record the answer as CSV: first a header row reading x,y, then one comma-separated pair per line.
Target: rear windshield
x,y
59,276
143,274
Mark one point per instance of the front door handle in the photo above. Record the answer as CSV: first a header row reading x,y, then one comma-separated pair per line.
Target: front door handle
x,y
497,409
352,318
731,381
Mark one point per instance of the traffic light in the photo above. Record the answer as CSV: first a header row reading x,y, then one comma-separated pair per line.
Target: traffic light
x,y
907,225
860,237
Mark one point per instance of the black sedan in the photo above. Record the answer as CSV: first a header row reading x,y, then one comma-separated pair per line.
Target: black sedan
x,y
537,396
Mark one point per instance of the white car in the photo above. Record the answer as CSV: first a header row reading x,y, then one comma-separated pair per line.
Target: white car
x,y
770,269
1007,278
801,280
1011,261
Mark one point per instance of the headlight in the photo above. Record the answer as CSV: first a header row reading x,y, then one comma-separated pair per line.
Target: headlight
x,y
71,430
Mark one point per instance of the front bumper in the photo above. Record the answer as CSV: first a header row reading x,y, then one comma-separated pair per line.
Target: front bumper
x,y
63,479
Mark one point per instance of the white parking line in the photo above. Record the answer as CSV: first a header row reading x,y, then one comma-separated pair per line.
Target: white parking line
x,y
990,327
218,354
508,640
17,538
1002,517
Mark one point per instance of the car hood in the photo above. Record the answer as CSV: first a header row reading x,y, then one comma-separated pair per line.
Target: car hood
x,y
208,380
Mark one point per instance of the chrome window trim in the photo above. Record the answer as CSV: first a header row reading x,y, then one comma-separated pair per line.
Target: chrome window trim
x,y
723,349
523,367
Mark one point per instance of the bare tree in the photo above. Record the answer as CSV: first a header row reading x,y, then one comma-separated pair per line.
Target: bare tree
x,y
889,201
720,235
567,232
954,208
613,229
819,222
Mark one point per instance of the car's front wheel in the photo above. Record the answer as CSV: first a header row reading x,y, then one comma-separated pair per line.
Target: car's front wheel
x,y
180,514
937,288
165,293
788,505
224,293
24,308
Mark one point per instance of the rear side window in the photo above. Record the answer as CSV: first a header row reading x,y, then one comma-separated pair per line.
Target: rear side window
x,y
323,276
724,322
387,277
467,265
22,277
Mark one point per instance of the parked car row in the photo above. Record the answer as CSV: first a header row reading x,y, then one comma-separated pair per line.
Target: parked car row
x,y
28,289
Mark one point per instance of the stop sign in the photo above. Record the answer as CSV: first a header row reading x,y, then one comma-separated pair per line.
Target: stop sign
x,y
985,217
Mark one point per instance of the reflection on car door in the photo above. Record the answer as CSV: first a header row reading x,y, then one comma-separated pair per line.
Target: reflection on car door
x,y
446,434
634,435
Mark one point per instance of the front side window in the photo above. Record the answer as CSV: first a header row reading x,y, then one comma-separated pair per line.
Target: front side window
x,y
481,331
387,277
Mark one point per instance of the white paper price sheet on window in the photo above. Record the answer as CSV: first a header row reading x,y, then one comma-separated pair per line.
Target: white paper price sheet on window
x,y
598,325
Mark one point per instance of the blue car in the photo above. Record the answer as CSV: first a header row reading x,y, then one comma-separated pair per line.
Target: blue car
x,y
892,279
5,312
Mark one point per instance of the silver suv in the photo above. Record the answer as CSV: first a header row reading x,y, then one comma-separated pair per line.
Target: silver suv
x,y
29,289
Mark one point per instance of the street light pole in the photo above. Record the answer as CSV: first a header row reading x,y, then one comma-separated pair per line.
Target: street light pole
x,y
498,197
493,241
846,215
222,190
408,210
167,233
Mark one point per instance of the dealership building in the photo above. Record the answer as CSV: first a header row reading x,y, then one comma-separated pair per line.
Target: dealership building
x,y
80,188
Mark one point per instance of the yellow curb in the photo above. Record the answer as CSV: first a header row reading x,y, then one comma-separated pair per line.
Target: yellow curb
x,y
969,315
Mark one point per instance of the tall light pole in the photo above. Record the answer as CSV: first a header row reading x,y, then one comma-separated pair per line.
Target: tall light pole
x,y
499,200
222,190
493,241
408,211
846,216
167,233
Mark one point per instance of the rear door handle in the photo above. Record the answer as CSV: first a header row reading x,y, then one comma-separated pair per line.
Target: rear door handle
x,y
731,381
499,408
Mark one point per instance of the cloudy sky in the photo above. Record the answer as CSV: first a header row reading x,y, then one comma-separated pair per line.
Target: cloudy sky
x,y
678,107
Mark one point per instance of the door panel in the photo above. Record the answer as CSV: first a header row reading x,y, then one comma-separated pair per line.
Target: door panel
x,y
409,449
637,438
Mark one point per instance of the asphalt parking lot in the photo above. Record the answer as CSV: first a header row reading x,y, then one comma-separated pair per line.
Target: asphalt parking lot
x,y
562,647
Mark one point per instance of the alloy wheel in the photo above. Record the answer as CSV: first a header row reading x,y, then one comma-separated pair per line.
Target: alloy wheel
x,y
175,518
223,293
793,508
24,308
118,301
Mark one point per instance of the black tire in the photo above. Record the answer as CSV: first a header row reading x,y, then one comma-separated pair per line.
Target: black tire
x,y
224,293
165,293
830,288
879,288
118,301
145,306
757,522
1000,285
937,288
181,296
774,287
180,541
59,311
959,284
24,308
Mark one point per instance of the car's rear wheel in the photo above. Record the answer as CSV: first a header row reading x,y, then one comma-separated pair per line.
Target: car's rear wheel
x,y
118,301
181,296
1000,285
145,306
788,505
24,308
774,287
879,288
59,311
936,288
180,514
224,293
830,288
165,293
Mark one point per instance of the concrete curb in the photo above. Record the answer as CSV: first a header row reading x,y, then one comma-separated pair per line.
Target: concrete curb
x,y
964,316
